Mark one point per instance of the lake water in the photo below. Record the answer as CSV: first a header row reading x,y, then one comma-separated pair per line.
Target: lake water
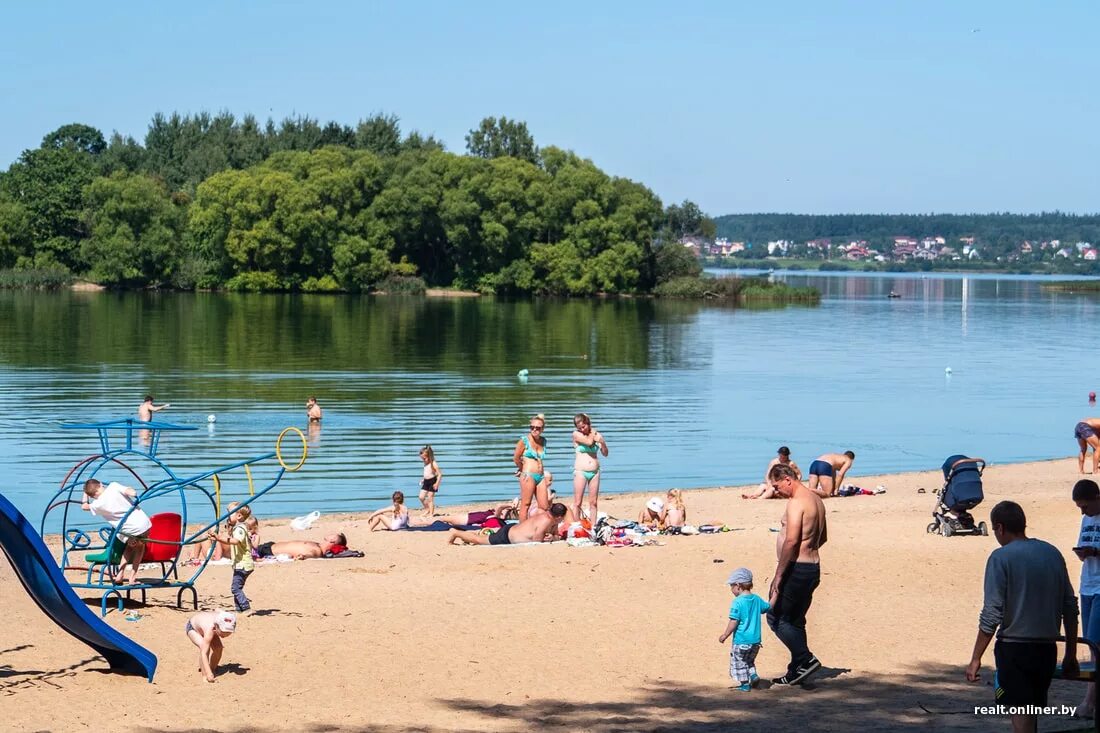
x,y
688,394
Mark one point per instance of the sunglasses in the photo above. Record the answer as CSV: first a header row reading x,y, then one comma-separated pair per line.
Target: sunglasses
x,y
535,427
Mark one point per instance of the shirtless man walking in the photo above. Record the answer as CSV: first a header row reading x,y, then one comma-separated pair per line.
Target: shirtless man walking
x,y
535,529
1086,433
798,571
304,549
147,408
827,472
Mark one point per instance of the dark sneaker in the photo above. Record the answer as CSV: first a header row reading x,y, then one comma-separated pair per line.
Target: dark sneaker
x,y
781,681
806,670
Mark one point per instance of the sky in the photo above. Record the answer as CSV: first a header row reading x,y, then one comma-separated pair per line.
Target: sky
x,y
804,107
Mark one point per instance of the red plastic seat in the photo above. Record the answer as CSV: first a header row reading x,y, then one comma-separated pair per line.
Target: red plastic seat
x,y
168,529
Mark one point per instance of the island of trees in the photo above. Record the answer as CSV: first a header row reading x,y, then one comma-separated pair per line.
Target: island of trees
x,y
216,202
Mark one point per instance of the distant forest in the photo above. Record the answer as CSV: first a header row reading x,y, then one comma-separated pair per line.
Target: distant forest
x,y
216,202
999,232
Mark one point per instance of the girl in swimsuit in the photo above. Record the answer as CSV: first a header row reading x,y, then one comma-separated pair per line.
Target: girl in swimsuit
x,y
398,515
675,513
432,478
529,454
588,443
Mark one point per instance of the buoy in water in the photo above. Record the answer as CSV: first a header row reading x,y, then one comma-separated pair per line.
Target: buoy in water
x,y
211,418
947,371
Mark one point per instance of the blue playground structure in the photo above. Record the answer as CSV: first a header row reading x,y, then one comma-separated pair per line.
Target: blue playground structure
x,y
95,551
40,575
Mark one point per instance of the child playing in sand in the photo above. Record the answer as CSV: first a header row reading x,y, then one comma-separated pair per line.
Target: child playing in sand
x,y
206,629
674,513
113,502
430,483
240,546
744,624
398,515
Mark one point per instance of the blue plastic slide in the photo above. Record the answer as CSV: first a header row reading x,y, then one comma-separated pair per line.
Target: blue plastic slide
x,y
46,584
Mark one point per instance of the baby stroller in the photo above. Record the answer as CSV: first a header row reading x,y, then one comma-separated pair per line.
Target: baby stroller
x,y
961,492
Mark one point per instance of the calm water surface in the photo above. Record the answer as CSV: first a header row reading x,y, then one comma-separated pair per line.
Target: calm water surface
x,y
688,394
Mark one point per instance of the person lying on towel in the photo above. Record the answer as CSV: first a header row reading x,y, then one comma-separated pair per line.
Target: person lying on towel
x,y
330,546
542,528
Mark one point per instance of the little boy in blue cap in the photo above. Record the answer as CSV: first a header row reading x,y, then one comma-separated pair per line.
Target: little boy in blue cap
x,y
744,624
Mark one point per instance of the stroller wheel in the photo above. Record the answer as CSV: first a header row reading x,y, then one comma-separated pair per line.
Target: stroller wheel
x,y
947,529
932,527
983,529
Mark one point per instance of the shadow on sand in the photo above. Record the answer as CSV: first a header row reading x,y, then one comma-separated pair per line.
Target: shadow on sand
x,y
934,697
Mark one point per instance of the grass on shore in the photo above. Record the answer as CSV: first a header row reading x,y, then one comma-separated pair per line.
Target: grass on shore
x,y
744,291
1074,286
46,278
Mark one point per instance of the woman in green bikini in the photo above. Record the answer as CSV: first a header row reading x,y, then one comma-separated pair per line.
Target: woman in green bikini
x,y
530,451
586,468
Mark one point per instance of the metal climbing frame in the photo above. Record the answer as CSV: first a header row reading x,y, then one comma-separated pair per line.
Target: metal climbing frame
x,y
112,452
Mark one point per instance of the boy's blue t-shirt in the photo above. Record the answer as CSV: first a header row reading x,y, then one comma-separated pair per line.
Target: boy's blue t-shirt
x,y
747,609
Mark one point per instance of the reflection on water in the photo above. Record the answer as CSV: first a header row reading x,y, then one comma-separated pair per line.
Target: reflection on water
x,y
688,394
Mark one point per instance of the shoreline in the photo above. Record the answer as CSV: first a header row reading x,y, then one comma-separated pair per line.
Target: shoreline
x,y
626,637
638,495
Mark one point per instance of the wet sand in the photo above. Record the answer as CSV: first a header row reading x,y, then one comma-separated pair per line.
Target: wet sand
x,y
420,636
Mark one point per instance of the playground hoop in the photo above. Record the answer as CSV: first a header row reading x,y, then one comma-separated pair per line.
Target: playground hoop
x,y
279,449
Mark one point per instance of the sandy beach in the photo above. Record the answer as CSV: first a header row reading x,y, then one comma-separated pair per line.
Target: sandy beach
x,y
419,636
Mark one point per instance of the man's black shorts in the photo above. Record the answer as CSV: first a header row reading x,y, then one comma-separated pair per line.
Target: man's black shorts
x,y
500,537
1024,672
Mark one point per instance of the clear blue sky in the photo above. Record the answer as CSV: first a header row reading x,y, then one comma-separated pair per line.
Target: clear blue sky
x,y
808,107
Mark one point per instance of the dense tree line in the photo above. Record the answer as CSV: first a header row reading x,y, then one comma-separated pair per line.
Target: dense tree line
x,y
999,233
216,202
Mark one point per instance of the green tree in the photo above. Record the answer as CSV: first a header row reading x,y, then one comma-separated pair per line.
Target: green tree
x,y
15,240
380,134
76,137
48,183
495,138
135,231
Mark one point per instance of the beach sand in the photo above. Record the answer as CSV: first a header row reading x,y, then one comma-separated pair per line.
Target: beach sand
x,y
419,636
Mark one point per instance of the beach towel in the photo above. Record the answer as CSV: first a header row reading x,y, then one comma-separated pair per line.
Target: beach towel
x,y
344,553
438,526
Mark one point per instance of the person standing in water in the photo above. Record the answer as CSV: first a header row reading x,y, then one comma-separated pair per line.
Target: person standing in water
x,y
588,443
313,410
147,408
528,457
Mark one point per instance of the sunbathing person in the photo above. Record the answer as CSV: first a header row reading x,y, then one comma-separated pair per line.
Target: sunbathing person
x,y
782,458
393,518
536,529
492,517
305,549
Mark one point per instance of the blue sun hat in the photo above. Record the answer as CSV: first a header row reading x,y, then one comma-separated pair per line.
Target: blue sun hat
x,y
740,576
